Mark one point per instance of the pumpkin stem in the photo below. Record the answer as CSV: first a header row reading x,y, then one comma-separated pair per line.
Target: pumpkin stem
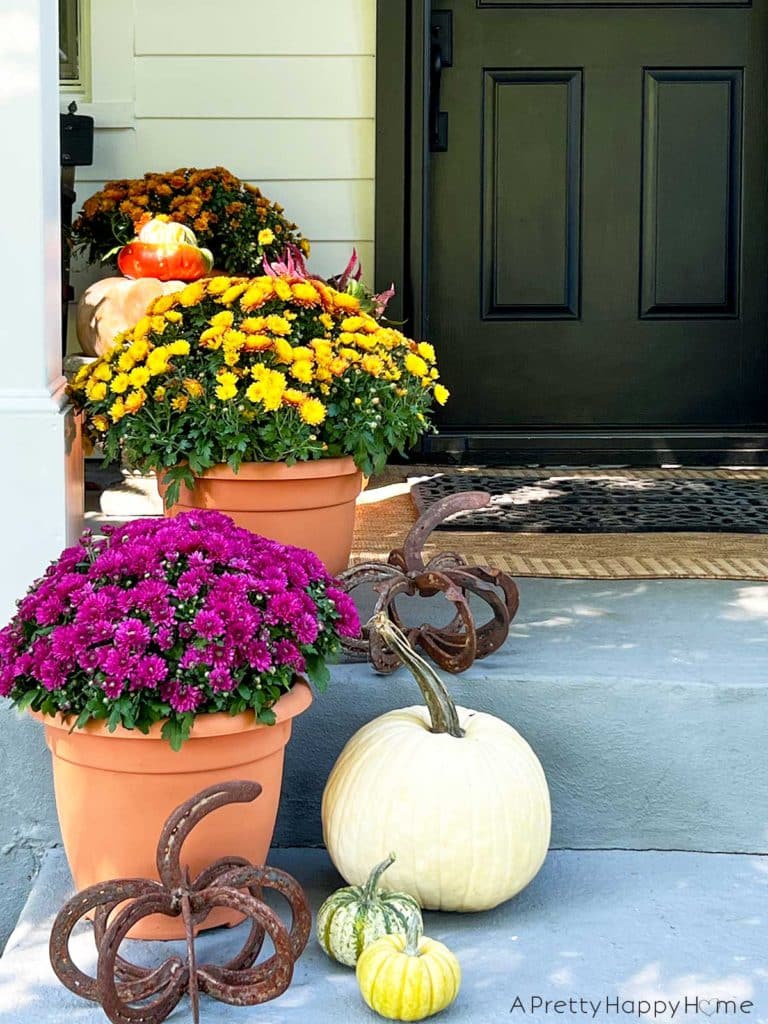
x,y
440,705
412,936
371,886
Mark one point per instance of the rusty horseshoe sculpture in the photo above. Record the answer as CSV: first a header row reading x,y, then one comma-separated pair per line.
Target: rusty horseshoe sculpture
x,y
231,882
453,646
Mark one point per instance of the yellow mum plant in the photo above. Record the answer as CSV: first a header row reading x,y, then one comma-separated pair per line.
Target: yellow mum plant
x,y
264,369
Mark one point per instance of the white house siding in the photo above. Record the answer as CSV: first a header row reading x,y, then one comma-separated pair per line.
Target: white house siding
x,y
281,92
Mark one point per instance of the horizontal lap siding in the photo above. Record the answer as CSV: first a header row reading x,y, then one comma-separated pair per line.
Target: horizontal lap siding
x,y
282,94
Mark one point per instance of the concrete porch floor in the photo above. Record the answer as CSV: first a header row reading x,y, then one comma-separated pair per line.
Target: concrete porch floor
x,y
593,926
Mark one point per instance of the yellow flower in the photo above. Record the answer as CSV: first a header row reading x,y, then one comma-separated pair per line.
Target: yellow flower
x,y
283,350
218,285
138,350
101,372
180,403
253,324
304,246
352,323
192,294
193,387
269,388
326,320
100,423
441,393
120,384
142,328
283,290
96,390
257,294
135,400
302,371
139,377
339,365
347,303
266,236
415,364
373,365
293,396
211,338
274,389
158,324
117,410
157,361
223,319
179,348
163,304
312,411
426,351
126,362
305,293
302,352
173,316
323,350
159,393
278,325
233,293
227,386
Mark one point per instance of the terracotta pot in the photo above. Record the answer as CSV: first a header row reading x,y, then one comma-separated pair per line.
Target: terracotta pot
x,y
115,790
310,504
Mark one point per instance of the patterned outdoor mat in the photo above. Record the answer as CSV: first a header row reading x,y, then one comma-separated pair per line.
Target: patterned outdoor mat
x,y
386,512
606,501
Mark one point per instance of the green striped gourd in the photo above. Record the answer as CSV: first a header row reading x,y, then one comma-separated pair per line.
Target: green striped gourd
x,y
355,916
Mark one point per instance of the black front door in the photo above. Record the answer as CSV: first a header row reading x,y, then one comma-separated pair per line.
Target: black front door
x,y
599,219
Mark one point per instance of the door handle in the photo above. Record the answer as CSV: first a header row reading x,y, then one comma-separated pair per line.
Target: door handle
x,y
440,57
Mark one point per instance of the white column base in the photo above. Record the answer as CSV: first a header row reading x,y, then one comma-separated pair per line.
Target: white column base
x,y
42,508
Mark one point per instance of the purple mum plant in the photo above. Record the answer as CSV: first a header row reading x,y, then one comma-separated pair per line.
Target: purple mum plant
x,y
166,619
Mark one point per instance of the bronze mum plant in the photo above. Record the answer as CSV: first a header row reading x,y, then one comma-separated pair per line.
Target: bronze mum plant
x,y
264,369
230,217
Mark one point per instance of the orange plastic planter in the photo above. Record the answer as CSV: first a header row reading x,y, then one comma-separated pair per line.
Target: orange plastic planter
x,y
310,504
115,790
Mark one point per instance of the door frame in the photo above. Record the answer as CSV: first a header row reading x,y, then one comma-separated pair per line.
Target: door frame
x,y
401,254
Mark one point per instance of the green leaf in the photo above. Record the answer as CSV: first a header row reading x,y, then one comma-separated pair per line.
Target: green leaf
x,y
267,716
318,672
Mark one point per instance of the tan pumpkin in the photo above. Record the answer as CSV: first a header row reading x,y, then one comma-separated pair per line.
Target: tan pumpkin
x,y
113,305
458,793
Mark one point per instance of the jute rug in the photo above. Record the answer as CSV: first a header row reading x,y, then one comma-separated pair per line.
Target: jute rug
x,y
386,511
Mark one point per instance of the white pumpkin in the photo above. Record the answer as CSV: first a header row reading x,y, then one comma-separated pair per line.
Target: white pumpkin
x,y
113,305
458,793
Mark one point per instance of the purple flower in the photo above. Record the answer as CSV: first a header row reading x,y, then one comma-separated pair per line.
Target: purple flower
x,y
287,653
349,620
182,609
133,634
186,698
208,624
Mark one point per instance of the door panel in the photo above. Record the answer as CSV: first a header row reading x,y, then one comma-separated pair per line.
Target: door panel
x,y
690,245
532,171
598,224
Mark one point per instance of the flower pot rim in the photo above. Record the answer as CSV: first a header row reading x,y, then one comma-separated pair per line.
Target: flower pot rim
x,y
309,469
206,725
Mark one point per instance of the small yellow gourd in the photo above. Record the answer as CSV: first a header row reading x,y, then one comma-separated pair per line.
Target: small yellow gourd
x,y
405,977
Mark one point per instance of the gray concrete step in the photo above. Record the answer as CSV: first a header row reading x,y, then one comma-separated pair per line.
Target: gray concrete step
x,y
647,703
593,928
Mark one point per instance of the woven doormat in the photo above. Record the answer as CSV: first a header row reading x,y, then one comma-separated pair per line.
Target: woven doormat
x,y
606,501
387,511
